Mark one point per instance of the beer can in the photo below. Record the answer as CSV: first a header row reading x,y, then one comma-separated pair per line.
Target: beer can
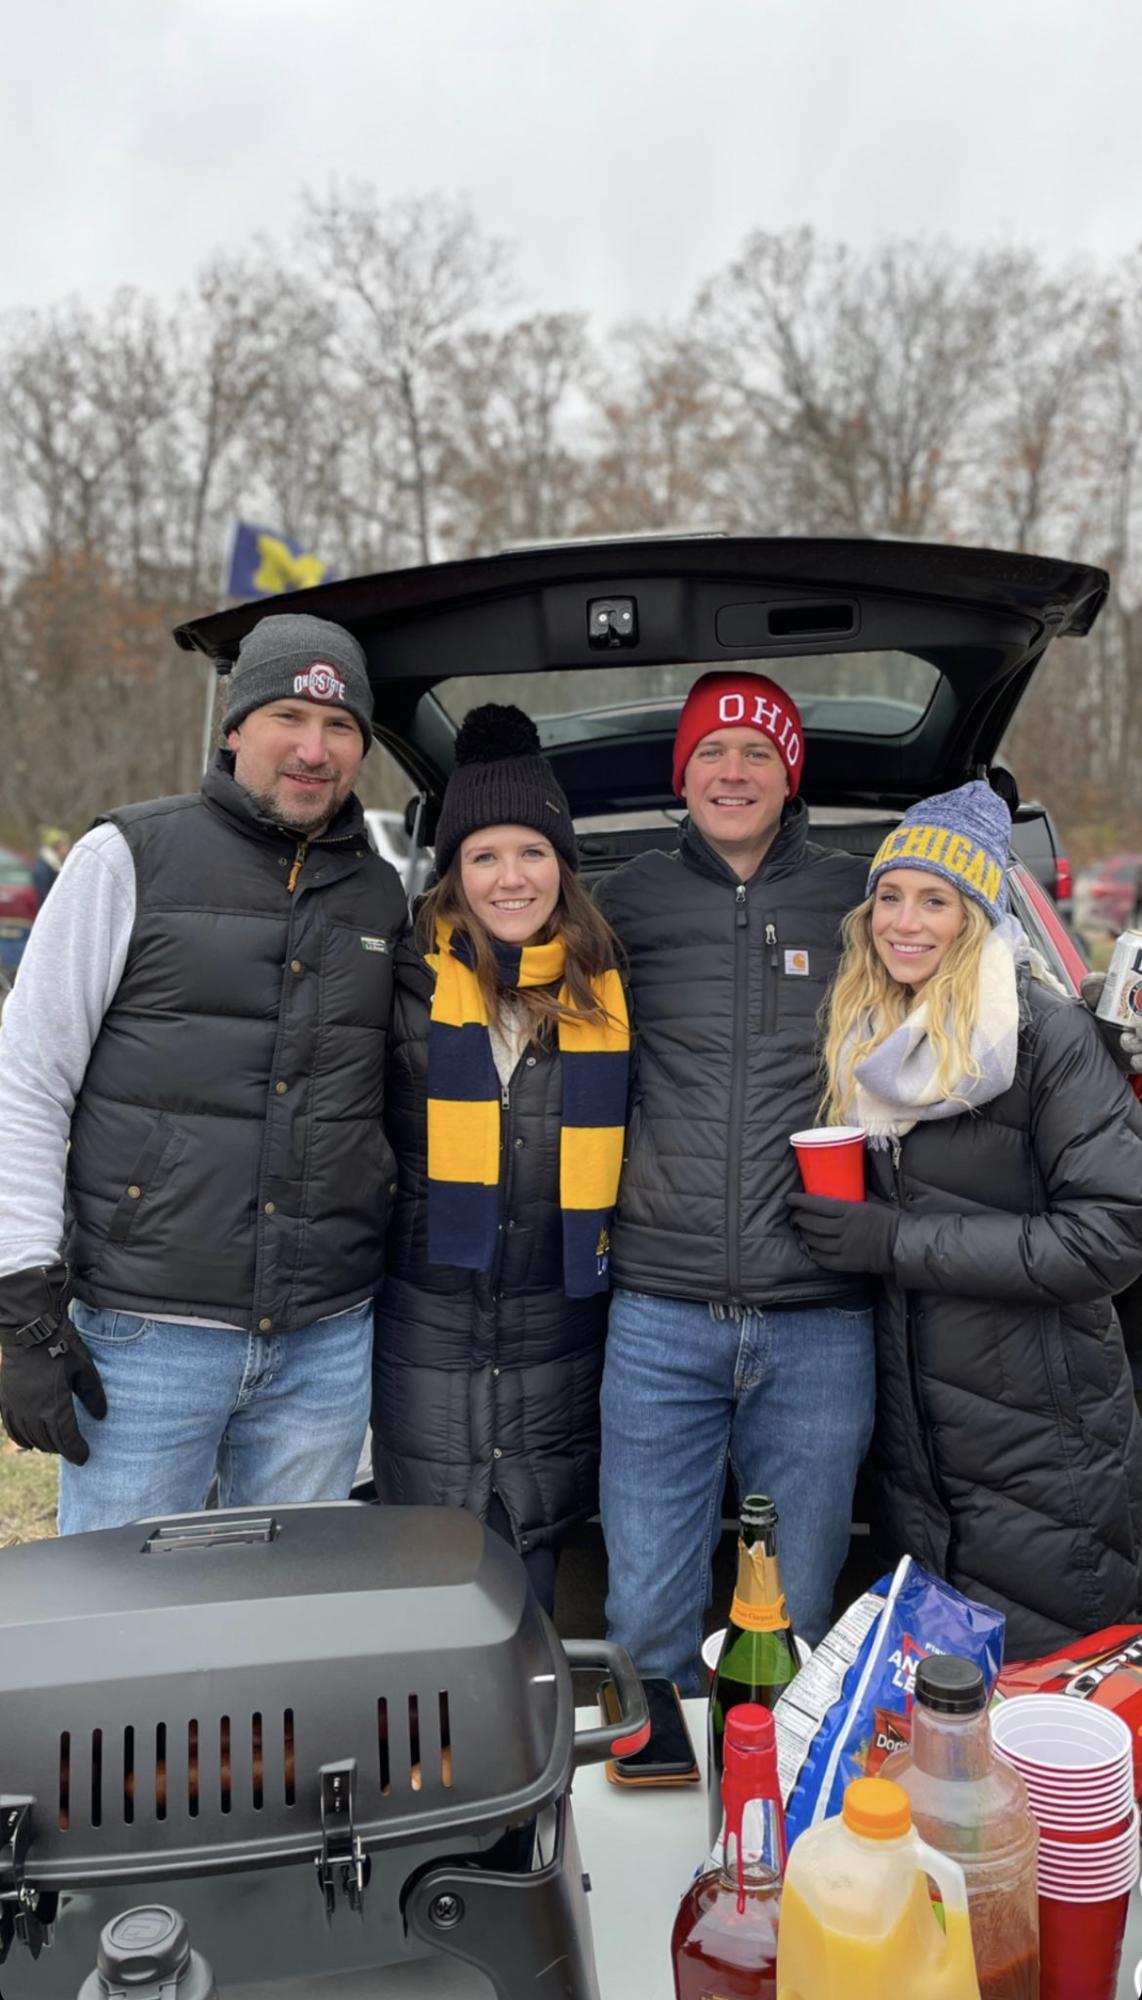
x,y
1121,1000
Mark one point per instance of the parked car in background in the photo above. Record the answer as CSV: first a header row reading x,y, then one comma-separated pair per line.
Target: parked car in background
x,y
1108,895
19,903
1035,839
393,842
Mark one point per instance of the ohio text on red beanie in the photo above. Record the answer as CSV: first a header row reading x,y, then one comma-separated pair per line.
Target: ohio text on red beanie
x,y
740,701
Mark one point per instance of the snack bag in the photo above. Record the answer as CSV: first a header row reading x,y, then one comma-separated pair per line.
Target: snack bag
x,y
851,1703
1106,1668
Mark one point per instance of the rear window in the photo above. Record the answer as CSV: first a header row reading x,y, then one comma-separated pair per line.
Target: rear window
x,y
868,694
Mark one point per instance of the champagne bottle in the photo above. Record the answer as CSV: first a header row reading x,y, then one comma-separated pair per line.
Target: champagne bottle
x,y
758,1657
724,1941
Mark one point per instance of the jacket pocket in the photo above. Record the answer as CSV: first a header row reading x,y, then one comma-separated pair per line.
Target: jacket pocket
x,y
794,980
165,1145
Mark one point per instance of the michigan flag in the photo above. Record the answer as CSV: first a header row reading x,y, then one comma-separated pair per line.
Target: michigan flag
x,y
262,564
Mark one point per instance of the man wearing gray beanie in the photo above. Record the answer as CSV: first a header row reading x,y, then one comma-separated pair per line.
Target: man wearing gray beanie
x,y
193,1063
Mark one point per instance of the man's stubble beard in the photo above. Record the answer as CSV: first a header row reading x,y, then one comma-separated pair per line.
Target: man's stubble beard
x,y
271,808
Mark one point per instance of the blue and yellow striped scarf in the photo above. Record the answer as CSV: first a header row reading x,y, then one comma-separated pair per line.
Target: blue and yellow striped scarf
x,y
464,1113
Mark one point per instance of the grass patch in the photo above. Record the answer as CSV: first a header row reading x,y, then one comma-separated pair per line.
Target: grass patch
x,y
28,1484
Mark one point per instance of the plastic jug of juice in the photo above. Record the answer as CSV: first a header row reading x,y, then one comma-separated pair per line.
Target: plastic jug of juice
x,y
857,1921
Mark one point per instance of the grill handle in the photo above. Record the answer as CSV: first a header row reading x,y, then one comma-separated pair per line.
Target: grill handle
x,y
631,1731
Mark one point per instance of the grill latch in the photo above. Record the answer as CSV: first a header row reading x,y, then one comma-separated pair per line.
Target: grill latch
x,y
25,1913
342,1865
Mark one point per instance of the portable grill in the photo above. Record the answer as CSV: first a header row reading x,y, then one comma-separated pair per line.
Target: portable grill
x,y
370,1694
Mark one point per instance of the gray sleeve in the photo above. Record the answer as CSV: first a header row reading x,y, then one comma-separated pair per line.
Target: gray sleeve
x,y
68,976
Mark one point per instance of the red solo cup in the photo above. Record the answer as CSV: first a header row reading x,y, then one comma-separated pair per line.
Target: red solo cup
x,y
1072,1742
1080,1945
831,1159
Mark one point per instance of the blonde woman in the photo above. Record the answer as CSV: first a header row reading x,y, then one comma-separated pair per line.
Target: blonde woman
x,y
1005,1210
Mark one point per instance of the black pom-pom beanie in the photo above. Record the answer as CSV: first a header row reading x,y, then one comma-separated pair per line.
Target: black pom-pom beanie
x,y
502,778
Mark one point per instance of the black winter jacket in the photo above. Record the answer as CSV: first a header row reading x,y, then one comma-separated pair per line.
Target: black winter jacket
x,y
484,1382
727,978
227,1158
1008,1448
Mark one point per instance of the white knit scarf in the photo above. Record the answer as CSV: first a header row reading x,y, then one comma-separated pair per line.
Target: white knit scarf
x,y
895,1086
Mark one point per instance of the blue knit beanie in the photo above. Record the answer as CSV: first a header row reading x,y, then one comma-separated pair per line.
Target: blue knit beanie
x,y
964,835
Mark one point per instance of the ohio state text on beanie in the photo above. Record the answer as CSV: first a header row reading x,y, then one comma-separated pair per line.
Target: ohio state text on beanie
x,y
291,656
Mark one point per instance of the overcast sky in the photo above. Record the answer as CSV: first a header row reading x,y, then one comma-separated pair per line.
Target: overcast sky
x,y
624,146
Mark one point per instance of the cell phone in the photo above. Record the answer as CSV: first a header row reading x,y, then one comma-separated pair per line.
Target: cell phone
x,y
667,1758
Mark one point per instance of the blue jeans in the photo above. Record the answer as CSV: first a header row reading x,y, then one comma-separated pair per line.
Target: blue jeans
x,y
787,1397
279,1418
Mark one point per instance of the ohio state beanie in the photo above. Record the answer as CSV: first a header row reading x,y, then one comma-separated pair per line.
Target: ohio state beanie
x,y
740,701
292,656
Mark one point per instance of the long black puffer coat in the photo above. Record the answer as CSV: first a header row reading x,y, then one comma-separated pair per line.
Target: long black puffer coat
x,y
484,1383
1008,1451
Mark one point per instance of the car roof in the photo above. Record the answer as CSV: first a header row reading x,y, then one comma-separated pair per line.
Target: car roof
x,y
979,620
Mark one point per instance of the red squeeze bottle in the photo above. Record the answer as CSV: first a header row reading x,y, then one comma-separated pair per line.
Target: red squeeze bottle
x,y
724,1939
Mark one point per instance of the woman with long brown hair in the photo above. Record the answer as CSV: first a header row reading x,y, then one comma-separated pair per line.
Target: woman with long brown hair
x,y
506,1102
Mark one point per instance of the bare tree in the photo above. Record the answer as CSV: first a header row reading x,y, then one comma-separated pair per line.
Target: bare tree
x,y
511,406
409,279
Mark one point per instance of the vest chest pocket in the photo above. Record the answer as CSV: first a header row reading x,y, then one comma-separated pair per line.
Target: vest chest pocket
x,y
357,972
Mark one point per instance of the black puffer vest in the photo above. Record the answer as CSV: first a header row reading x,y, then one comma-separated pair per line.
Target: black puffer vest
x,y
484,1381
227,1158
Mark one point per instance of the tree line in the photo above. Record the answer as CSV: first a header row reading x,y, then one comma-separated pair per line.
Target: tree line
x,y
377,391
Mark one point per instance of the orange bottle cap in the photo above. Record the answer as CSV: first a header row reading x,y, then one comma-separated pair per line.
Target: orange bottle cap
x,y
877,1808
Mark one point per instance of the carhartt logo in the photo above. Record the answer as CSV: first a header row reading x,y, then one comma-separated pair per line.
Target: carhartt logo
x,y
320,682
797,962
375,943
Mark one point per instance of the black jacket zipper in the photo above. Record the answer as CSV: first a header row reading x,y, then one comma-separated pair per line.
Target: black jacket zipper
x,y
769,1008
506,1152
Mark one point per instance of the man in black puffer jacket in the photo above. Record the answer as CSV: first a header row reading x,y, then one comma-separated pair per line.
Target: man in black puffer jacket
x,y
724,1337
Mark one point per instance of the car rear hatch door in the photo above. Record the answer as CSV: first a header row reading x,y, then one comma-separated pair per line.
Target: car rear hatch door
x,y
963,631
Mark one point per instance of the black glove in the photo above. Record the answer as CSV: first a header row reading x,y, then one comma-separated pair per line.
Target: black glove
x,y
1125,1044
846,1235
43,1364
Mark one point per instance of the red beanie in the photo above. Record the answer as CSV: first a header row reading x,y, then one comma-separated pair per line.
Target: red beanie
x,y
740,701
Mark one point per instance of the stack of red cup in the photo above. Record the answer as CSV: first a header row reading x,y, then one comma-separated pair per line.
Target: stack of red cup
x,y
1076,1760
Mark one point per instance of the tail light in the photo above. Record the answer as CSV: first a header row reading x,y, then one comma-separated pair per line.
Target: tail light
x,y
1064,880
19,904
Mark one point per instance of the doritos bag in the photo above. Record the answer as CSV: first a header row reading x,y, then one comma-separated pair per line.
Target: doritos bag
x,y
1106,1668
851,1703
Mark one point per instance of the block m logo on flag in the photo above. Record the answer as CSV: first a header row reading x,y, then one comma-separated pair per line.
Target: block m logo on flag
x,y
262,564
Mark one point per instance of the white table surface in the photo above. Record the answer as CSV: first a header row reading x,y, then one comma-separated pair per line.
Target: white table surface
x,y
639,1847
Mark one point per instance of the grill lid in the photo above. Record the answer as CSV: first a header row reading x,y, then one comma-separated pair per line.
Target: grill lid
x,y
219,1691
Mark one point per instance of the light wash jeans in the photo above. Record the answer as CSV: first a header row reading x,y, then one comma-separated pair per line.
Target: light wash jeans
x,y
279,1417
788,1397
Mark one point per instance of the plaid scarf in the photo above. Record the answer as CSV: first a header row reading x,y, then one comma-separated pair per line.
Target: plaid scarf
x,y
895,1086
465,1102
